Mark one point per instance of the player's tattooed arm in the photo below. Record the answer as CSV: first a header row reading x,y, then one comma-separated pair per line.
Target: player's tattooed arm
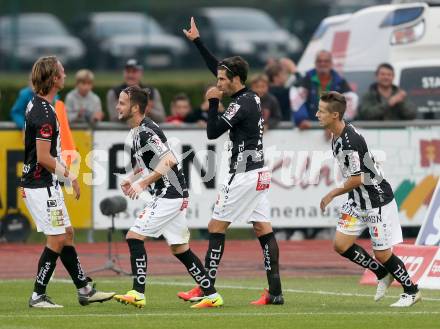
x,y
351,183
165,164
126,182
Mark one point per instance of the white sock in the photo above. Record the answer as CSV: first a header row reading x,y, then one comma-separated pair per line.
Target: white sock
x,y
214,295
35,296
85,290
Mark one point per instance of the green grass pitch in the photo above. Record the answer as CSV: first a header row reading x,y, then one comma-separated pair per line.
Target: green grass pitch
x,y
323,302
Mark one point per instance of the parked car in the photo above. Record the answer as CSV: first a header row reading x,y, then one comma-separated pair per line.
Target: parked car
x,y
405,35
248,32
26,37
113,37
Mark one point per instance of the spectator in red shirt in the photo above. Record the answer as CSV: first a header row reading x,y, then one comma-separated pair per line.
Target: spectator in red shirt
x,y
180,109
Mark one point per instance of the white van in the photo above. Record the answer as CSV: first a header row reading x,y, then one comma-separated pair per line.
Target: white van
x,y
405,35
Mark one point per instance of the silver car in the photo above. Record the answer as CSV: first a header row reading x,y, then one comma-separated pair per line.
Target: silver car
x,y
117,36
26,37
246,31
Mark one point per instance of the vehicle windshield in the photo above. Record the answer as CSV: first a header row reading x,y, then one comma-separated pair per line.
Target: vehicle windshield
x,y
126,25
244,21
31,27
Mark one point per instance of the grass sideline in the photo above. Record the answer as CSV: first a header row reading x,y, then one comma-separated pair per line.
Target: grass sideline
x,y
323,302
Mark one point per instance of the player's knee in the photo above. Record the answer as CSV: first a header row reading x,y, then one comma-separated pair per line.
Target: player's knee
x,y
261,229
383,255
339,247
216,227
69,234
179,248
57,242
133,235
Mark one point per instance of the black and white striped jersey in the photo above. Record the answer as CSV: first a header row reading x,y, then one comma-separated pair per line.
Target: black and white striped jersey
x,y
149,146
354,158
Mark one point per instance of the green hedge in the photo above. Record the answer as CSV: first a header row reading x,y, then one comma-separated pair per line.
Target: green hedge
x,y
167,90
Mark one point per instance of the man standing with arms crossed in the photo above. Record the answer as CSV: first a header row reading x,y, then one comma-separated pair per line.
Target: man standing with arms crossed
x,y
243,195
370,204
41,190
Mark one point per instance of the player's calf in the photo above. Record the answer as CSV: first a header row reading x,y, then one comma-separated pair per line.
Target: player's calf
x,y
358,255
195,268
411,294
271,263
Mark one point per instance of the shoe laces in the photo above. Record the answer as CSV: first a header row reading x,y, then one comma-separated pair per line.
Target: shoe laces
x,y
405,296
47,299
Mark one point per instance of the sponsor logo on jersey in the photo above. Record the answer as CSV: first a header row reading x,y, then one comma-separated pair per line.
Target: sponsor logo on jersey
x,y
158,146
231,111
46,130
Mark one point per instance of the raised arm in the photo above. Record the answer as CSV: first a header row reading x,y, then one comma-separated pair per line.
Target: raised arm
x,y
194,35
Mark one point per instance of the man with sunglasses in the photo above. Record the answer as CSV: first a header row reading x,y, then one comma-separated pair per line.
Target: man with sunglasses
x,y
370,204
243,195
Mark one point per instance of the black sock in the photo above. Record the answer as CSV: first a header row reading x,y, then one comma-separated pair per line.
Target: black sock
x,y
46,266
395,266
271,262
70,260
197,271
214,254
358,255
138,259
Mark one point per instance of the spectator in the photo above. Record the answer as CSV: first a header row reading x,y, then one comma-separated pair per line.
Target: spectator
x,y
269,104
18,110
180,109
199,115
293,75
278,77
132,77
385,101
82,104
322,78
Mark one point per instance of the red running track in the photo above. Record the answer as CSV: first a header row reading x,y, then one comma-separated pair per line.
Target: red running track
x,y
241,259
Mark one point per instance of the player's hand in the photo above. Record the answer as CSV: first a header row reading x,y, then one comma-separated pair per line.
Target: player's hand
x,y
325,201
214,92
135,189
125,185
76,189
193,32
